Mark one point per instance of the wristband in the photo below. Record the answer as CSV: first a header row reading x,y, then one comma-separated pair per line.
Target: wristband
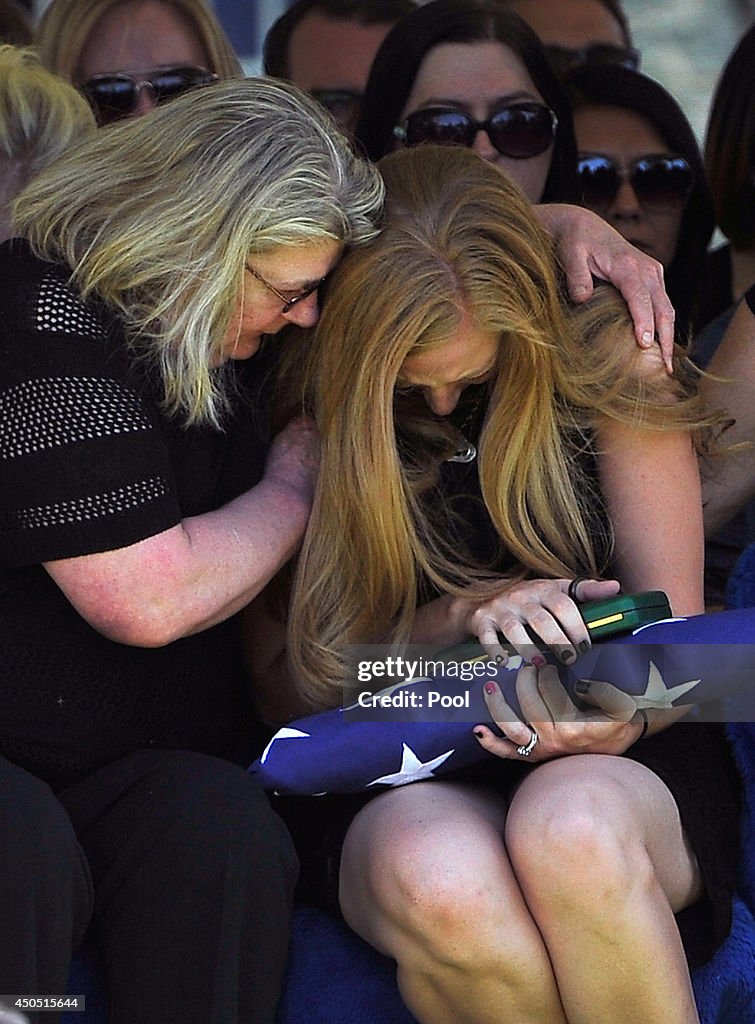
x,y
645,723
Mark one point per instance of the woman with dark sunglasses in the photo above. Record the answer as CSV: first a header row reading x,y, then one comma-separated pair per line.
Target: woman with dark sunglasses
x,y
640,168
472,74
128,56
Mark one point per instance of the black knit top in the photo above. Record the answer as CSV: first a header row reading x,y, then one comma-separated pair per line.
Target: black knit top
x,y
88,463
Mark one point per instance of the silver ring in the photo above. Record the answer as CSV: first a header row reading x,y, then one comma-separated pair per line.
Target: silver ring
x,y
526,751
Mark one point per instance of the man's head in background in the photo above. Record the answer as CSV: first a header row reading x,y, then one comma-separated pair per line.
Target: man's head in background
x,y
580,31
327,47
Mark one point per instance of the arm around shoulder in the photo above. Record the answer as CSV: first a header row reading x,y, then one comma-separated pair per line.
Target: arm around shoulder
x,y
589,247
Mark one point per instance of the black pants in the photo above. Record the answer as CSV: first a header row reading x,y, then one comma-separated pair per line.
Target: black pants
x,y
179,866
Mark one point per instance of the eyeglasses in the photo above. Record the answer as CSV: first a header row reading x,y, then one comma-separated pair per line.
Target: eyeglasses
x,y
342,104
115,96
289,301
520,131
660,182
563,60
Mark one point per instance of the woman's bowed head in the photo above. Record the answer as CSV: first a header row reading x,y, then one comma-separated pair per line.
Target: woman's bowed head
x,y
451,324
206,229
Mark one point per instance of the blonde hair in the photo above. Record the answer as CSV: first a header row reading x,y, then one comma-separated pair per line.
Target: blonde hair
x,y
41,115
459,241
157,217
66,24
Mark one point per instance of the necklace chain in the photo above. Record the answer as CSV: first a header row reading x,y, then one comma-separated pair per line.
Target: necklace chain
x,y
467,452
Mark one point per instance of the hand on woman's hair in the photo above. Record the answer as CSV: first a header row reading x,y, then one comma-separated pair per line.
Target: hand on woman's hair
x,y
589,247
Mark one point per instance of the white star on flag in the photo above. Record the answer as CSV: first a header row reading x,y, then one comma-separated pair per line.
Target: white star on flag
x,y
657,694
283,734
412,769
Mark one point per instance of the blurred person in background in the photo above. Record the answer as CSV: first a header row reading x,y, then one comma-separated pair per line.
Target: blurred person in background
x,y
41,116
577,32
327,47
15,24
730,167
724,342
127,56
641,169
729,510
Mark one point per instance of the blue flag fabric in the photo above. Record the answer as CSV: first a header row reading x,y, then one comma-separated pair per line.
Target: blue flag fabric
x,y
421,727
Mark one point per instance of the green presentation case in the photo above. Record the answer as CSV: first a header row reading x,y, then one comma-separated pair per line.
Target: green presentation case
x,y
625,612
610,617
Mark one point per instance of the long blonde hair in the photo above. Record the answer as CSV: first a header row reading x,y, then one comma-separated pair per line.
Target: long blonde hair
x,y
459,239
157,217
65,25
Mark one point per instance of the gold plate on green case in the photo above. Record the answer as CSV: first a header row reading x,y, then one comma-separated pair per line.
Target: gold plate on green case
x,y
609,617
625,612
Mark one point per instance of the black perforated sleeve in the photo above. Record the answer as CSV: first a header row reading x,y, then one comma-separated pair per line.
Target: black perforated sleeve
x,y
84,464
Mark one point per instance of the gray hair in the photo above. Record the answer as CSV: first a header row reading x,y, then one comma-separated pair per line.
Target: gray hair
x,y
157,216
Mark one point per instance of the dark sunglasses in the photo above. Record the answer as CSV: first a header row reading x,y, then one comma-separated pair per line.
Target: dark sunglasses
x,y
563,60
520,131
115,96
660,182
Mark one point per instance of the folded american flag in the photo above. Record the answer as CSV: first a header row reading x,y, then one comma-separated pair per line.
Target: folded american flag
x,y
421,727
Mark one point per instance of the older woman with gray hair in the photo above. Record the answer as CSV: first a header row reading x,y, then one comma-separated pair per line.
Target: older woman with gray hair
x,y
142,507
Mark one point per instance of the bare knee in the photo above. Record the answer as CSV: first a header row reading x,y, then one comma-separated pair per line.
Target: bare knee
x,y
438,895
415,885
573,838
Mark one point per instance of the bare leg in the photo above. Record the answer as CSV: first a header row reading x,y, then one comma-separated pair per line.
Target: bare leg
x,y
600,855
426,880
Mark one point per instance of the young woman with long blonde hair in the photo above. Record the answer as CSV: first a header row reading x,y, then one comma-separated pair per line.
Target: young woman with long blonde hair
x,y
484,443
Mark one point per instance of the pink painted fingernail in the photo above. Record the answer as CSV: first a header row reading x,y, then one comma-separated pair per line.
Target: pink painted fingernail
x,y
490,688
538,661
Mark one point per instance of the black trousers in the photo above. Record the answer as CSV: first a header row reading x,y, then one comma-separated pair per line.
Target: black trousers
x,y
178,865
